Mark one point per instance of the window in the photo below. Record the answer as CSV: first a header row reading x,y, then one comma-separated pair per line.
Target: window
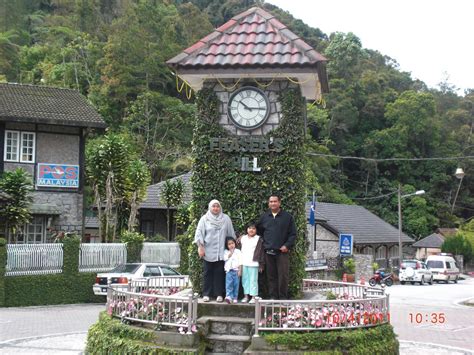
x,y
19,146
12,140
448,265
393,252
152,271
27,147
147,228
435,264
32,233
381,253
168,272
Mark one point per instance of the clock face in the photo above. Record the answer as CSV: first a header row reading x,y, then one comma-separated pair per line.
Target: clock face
x,y
248,108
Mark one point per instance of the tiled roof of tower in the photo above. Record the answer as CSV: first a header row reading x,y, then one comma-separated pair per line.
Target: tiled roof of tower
x,y
49,105
254,38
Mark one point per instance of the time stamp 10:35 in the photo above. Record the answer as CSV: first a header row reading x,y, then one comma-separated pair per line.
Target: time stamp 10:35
x,y
433,318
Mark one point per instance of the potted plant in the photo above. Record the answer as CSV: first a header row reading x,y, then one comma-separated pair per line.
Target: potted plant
x,y
349,269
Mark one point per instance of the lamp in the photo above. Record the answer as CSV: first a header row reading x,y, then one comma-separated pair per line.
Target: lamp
x,y
460,175
400,196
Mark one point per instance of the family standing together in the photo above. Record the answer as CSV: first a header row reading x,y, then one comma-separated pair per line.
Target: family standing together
x,y
265,246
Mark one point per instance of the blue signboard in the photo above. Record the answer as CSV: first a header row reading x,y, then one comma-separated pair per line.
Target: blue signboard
x,y
346,242
58,175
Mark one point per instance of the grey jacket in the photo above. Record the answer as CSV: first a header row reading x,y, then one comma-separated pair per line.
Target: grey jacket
x,y
213,239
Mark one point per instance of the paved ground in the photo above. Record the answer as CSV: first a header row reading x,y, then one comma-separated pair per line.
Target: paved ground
x,y
46,330
430,301
63,329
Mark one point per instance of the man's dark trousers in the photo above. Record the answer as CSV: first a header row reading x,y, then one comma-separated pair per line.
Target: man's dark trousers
x,y
277,270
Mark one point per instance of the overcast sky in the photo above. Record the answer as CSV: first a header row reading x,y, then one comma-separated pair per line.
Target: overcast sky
x,y
428,38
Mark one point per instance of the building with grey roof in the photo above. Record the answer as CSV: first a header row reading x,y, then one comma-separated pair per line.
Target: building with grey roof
x,y
430,245
43,131
372,235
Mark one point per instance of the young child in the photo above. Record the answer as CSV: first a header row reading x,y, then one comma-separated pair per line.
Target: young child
x,y
233,269
250,267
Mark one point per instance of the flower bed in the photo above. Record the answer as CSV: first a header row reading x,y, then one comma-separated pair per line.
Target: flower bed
x,y
148,307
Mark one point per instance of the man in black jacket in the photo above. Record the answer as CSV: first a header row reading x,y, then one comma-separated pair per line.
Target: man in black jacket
x,y
277,227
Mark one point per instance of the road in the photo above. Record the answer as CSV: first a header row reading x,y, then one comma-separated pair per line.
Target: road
x,y
432,303
46,330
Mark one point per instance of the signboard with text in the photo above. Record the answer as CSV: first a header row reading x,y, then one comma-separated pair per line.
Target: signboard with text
x,y
58,175
346,242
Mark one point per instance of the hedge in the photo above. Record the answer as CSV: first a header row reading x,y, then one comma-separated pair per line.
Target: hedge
x,y
376,340
244,195
110,336
70,286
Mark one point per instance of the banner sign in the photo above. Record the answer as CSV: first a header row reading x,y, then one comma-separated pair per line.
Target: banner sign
x,y
58,175
346,242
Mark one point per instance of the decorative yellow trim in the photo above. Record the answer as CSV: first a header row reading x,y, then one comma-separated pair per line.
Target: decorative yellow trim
x,y
318,97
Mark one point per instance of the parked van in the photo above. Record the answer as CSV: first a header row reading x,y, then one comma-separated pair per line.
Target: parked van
x,y
443,267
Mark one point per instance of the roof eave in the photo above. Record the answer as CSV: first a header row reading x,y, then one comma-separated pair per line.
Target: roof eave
x,y
52,121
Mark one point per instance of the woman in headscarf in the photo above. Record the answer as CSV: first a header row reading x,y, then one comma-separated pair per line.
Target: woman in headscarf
x,y
211,232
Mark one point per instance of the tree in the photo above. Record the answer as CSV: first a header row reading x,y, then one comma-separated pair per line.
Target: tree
x,y
111,167
139,176
458,245
172,196
18,185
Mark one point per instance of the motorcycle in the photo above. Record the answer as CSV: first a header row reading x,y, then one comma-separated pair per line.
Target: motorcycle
x,y
380,277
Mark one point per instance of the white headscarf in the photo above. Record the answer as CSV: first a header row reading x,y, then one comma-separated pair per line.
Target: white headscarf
x,y
217,221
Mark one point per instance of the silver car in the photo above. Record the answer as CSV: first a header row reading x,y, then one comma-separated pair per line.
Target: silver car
x,y
140,276
415,271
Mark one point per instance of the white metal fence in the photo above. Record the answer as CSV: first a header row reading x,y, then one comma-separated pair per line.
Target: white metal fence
x,y
166,253
101,257
32,259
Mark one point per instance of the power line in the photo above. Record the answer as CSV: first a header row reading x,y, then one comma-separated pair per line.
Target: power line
x,y
375,197
388,159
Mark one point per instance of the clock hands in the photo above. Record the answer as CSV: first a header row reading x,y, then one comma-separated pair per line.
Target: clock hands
x,y
245,106
252,108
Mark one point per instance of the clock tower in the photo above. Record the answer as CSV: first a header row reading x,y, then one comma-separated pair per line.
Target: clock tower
x,y
253,77
252,54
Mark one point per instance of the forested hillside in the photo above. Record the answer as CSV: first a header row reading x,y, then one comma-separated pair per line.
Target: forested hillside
x,y
114,52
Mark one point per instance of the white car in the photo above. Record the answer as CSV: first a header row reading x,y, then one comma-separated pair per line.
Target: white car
x,y
444,267
141,276
415,271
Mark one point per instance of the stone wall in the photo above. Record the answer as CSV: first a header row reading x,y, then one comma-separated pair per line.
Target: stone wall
x,y
363,266
69,204
272,92
327,243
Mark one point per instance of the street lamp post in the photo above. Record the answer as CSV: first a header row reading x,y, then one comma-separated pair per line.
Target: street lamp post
x,y
400,196
460,175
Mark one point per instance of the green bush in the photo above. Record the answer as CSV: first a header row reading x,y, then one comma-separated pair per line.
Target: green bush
x,y
244,195
376,340
70,286
184,244
3,265
134,241
349,265
37,290
109,336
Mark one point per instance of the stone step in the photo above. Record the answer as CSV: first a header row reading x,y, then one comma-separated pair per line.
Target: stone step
x,y
243,310
223,343
226,325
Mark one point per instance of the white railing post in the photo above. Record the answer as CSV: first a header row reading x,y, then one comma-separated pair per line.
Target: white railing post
x,y
258,312
98,257
34,259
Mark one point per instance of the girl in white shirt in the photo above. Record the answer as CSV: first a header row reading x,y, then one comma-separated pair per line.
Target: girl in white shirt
x,y
233,270
250,267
